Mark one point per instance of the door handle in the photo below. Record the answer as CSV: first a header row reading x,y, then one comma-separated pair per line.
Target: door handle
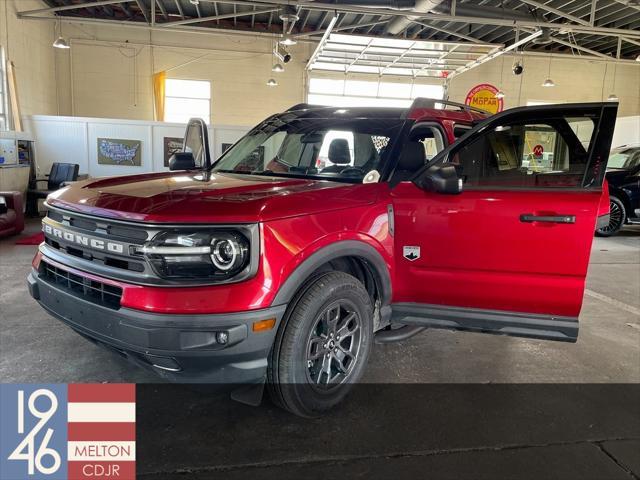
x,y
530,218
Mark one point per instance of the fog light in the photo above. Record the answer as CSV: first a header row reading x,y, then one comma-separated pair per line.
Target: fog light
x,y
222,337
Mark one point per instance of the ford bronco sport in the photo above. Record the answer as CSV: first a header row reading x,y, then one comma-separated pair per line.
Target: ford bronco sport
x,y
268,267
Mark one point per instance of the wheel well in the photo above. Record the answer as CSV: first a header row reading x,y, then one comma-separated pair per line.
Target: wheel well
x,y
357,267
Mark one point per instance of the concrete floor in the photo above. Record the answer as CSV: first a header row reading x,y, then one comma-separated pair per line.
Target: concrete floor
x,y
36,348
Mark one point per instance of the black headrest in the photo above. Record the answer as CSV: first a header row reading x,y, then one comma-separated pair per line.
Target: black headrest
x,y
412,157
339,152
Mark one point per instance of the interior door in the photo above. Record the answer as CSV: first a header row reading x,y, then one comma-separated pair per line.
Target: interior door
x,y
509,254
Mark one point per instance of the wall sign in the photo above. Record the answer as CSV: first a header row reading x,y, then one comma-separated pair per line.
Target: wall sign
x,y
171,145
483,96
119,152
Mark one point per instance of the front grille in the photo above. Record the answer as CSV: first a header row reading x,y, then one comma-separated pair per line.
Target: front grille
x,y
96,292
103,230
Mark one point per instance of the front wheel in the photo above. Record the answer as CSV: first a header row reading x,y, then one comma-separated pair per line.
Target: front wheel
x,y
323,346
617,218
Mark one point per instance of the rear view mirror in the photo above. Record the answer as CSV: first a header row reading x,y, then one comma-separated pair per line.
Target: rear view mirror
x,y
440,179
312,138
182,161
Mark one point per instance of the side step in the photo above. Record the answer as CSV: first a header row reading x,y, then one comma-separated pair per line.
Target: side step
x,y
546,327
398,334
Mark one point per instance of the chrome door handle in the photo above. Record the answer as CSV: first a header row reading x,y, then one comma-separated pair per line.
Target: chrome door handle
x,y
530,218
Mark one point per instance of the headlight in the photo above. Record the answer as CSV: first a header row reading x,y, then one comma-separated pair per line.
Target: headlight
x,y
213,255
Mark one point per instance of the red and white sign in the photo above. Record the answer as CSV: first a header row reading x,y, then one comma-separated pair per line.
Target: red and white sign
x,y
538,150
102,431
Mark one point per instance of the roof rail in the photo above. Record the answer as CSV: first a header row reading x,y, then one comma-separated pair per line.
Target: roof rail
x,y
421,102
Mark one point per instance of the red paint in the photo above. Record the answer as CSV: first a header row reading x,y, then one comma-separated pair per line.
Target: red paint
x,y
475,252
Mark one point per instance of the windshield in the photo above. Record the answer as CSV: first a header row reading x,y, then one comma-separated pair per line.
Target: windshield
x,y
328,148
624,158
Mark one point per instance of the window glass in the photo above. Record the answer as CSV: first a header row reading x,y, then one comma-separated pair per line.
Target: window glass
x,y
363,93
624,158
316,147
548,154
430,137
185,99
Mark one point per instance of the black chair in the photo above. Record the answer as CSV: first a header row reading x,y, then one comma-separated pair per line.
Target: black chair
x,y
59,174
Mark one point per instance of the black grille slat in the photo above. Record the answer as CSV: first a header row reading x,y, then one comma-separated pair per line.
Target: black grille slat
x,y
96,292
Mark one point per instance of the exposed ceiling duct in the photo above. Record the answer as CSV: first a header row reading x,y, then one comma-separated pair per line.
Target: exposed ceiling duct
x,y
399,24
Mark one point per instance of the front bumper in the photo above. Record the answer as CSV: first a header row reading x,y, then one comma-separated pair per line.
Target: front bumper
x,y
180,348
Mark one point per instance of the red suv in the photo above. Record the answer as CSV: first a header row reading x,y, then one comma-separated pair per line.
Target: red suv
x,y
262,268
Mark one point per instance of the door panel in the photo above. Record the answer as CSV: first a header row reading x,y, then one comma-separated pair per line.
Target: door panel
x,y
476,252
515,244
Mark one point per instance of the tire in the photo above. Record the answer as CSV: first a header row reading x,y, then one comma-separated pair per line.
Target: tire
x,y
618,217
309,371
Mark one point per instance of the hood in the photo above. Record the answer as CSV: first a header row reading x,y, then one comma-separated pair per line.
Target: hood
x,y
188,197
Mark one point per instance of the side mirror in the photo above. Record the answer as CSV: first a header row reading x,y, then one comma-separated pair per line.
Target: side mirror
x,y
440,179
182,161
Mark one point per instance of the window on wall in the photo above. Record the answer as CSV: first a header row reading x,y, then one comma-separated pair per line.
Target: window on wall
x,y
365,93
4,98
185,99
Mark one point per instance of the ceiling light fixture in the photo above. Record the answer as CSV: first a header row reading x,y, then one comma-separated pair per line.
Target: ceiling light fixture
x,y
60,42
499,94
548,82
277,68
638,58
272,82
288,41
194,2
613,98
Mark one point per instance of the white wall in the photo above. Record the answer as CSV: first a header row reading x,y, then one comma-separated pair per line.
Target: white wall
x,y
28,45
577,80
627,131
74,140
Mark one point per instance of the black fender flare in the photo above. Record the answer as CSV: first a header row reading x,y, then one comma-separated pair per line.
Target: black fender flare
x,y
343,248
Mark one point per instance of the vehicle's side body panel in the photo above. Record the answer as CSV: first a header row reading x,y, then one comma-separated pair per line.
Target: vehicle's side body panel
x,y
476,252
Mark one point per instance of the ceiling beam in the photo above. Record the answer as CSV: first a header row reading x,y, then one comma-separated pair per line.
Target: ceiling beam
x,y
74,6
556,11
179,7
494,54
143,9
322,42
162,9
212,18
449,32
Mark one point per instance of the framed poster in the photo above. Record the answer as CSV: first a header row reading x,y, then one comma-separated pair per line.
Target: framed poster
x,y
113,151
171,146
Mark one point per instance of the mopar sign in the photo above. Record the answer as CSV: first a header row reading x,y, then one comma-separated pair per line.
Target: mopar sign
x,y
84,240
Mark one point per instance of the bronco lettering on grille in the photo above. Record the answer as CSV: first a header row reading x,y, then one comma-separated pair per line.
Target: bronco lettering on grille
x,y
84,240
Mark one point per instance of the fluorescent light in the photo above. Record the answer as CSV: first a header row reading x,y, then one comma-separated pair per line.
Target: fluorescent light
x,y
61,43
548,83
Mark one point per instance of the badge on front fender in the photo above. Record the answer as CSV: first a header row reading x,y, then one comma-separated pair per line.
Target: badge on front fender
x,y
411,253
